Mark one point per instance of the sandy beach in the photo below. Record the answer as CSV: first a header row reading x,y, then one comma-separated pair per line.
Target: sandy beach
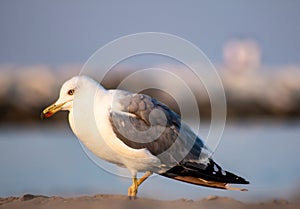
x,y
29,201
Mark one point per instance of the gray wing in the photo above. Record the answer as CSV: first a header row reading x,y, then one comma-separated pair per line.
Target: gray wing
x,y
143,122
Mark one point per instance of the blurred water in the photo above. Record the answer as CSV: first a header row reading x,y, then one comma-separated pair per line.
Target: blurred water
x,y
49,160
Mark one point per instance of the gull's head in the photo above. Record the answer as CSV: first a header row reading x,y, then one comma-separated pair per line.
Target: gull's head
x,y
65,100
68,91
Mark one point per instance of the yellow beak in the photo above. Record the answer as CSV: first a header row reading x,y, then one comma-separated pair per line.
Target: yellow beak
x,y
51,110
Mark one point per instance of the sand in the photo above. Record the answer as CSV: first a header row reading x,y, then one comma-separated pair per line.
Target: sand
x,y
29,201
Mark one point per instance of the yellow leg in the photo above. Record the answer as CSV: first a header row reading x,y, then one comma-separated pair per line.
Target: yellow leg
x,y
144,177
133,189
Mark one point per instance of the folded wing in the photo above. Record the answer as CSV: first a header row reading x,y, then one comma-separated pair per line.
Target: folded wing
x,y
142,122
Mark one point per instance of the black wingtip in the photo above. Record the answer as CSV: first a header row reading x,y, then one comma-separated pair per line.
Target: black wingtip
x,y
240,180
212,172
234,179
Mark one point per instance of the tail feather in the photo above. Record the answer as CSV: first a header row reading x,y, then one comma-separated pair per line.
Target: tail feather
x,y
211,175
202,182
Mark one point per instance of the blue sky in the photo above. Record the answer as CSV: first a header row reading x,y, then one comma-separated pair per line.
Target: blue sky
x,y
59,32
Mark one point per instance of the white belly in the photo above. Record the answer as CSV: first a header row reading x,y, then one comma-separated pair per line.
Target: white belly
x,y
90,137
97,135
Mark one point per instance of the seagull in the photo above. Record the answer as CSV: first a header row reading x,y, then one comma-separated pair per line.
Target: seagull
x,y
139,133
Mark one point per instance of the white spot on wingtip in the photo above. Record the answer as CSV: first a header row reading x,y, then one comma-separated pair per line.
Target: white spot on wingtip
x,y
223,172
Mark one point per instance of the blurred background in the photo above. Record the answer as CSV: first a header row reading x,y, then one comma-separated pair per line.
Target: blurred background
x,y
254,46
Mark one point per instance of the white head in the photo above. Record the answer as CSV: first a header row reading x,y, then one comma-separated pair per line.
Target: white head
x,y
67,93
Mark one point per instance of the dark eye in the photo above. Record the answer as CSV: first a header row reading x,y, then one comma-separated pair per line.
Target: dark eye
x,y
71,91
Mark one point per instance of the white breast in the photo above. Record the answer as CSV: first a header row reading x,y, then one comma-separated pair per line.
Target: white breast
x,y
95,132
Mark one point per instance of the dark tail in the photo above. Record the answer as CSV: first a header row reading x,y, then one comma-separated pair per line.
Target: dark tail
x,y
211,175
